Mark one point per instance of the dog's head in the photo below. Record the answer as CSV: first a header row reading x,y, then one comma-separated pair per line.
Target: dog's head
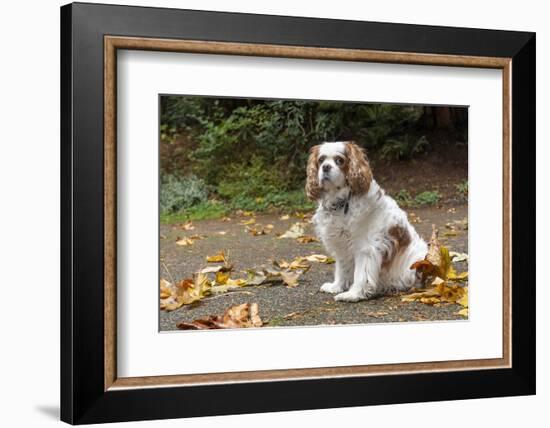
x,y
332,166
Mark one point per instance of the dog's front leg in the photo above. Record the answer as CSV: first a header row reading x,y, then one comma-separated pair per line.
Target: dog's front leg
x,y
343,277
365,277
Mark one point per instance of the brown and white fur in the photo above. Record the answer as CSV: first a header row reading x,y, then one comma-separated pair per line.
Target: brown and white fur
x,y
369,236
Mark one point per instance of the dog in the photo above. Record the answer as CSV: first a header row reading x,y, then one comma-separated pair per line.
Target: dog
x,y
366,232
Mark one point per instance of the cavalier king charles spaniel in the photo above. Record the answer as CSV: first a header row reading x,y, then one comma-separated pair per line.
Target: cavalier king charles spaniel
x,y
368,235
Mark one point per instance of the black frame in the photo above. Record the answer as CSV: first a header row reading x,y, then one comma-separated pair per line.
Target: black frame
x,y
83,399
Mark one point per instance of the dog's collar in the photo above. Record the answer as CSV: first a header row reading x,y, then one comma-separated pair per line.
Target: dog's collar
x,y
339,204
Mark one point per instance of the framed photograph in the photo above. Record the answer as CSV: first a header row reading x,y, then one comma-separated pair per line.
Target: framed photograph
x,y
308,213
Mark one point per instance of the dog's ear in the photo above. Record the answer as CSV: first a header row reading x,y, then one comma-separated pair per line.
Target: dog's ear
x,y
358,172
313,190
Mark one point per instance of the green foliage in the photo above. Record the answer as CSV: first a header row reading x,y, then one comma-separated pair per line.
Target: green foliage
x,y
251,154
462,190
404,198
178,193
404,148
202,211
427,198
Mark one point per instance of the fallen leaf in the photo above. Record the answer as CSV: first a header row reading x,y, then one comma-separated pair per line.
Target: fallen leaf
x,y
238,316
226,219
295,231
257,231
297,263
284,217
306,239
217,258
453,276
187,291
464,312
458,257
222,277
319,258
437,262
290,278
214,269
185,242
222,232
248,222
440,292
187,226
165,289
378,314
450,233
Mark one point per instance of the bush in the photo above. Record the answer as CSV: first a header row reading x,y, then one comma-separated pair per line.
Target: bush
x,y
428,198
404,198
403,148
462,190
178,193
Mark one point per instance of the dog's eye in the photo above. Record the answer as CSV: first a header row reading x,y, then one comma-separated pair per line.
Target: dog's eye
x,y
339,161
321,159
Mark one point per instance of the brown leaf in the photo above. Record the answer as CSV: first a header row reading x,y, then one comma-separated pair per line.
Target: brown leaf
x,y
290,278
239,316
306,239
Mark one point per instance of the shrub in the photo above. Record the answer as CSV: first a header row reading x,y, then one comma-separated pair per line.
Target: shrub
x,y
462,190
403,148
404,198
178,193
428,198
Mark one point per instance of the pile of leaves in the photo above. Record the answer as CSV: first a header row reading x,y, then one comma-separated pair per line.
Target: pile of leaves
x,y
216,279
440,277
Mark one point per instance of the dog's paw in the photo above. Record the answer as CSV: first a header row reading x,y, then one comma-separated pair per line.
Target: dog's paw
x,y
350,296
331,287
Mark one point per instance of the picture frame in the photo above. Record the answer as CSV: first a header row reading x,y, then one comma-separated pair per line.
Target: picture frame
x,y
91,391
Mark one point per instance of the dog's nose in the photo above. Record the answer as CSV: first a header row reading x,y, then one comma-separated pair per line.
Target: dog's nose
x,y
326,167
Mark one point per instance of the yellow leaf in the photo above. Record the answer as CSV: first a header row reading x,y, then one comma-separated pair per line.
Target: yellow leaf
x,y
457,277
249,221
185,242
464,312
240,282
463,301
165,289
221,277
284,217
217,258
